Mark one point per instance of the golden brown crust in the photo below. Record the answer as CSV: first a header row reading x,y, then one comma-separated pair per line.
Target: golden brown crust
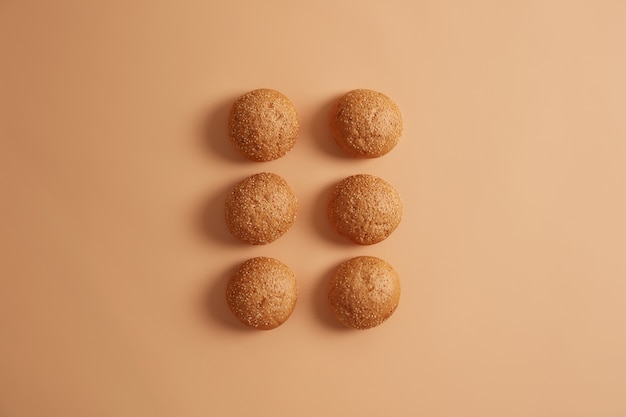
x,y
260,209
262,293
364,292
364,209
263,125
366,123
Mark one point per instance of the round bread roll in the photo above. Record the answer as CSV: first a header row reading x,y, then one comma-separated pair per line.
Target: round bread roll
x,y
263,125
366,123
261,208
364,209
364,292
262,293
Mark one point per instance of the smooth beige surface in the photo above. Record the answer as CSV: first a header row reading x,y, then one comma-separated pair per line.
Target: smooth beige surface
x,y
114,165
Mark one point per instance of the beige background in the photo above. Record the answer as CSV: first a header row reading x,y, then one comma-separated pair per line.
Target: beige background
x,y
114,166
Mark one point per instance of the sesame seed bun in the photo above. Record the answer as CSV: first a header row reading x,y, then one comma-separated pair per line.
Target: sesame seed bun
x,y
366,123
262,293
260,209
263,125
364,292
364,209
